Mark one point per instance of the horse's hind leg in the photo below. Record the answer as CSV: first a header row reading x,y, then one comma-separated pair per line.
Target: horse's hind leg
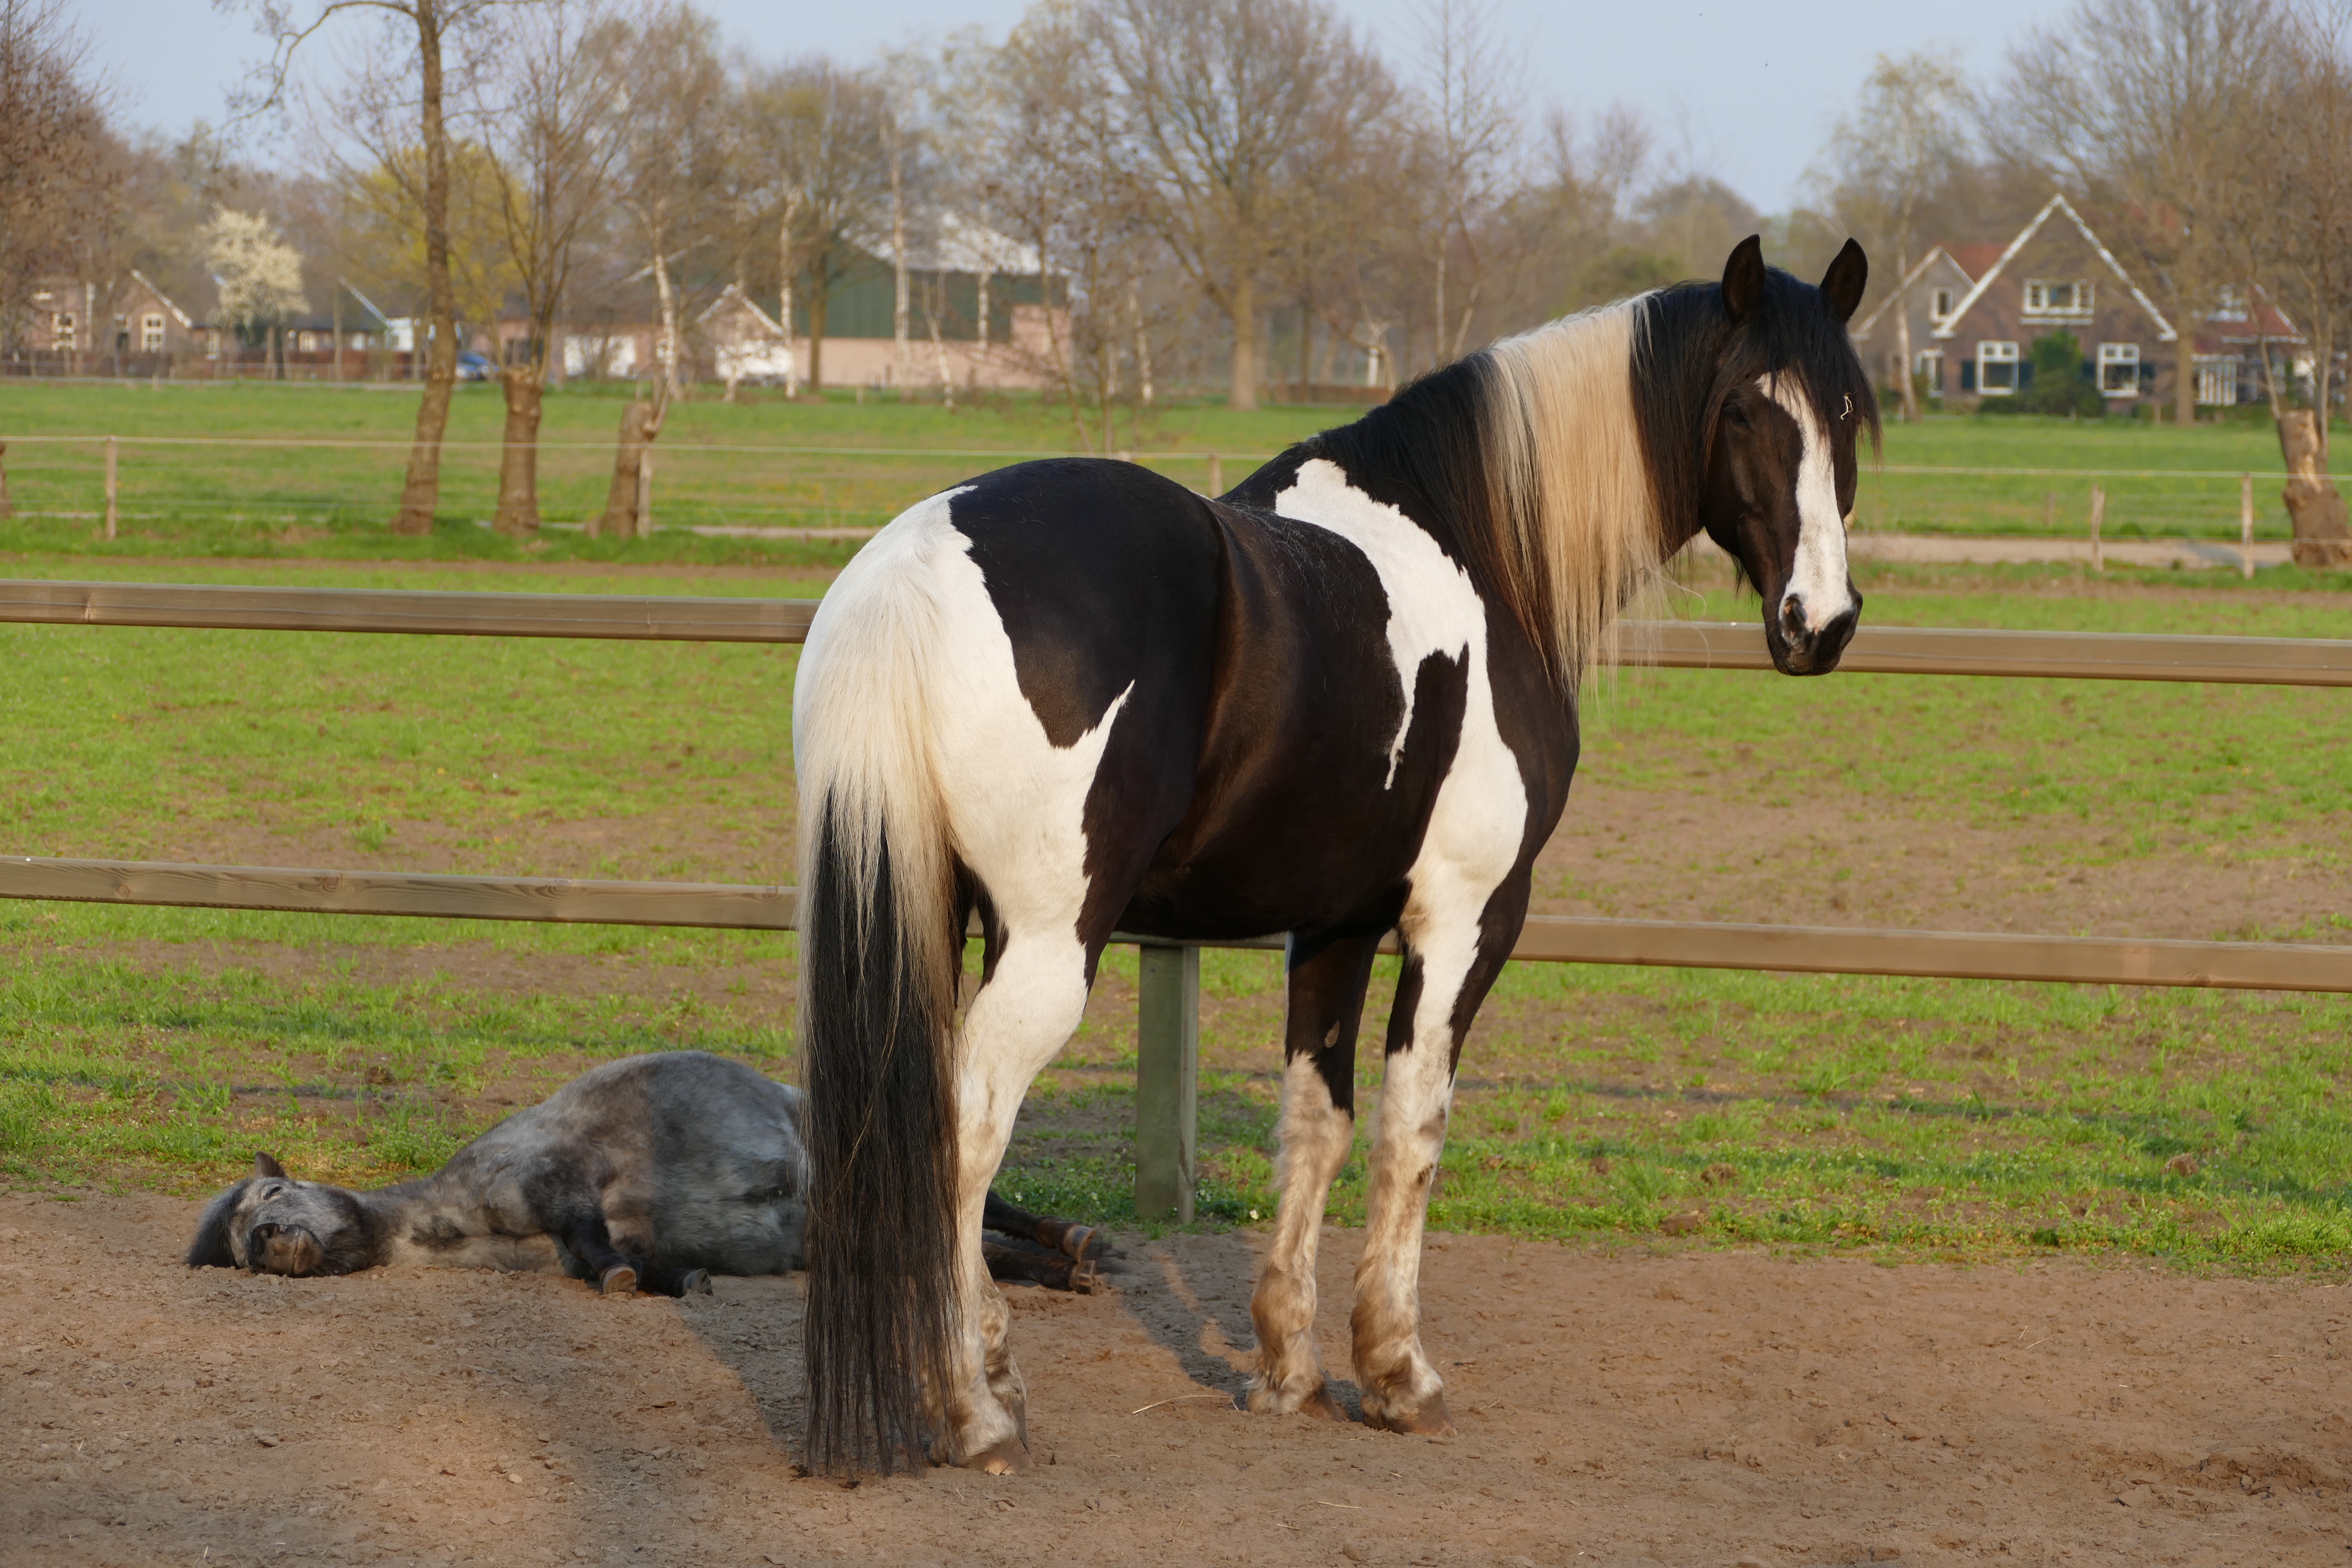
x,y
1034,999
1448,967
1319,1127
590,1241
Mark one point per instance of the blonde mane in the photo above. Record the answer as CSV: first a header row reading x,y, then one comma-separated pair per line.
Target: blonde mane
x,y
1577,532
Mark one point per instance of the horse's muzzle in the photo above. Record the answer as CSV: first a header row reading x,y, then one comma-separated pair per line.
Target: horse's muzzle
x,y
1800,649
283,1249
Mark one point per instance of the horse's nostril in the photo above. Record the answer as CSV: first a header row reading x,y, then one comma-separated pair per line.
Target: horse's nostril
x,y
1792,616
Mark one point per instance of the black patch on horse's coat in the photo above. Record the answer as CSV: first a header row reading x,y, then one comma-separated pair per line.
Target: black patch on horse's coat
x,y
1080,638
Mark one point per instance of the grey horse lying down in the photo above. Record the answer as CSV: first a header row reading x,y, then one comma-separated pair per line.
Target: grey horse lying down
x,y
652,1172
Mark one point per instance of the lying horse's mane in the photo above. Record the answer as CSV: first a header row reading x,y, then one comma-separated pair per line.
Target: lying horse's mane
x,y
1565,459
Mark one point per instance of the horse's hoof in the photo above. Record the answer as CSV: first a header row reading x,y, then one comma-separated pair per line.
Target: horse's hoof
x,y
1432,1420
1008,1458
696,1283
1323,1407
1086,1277
618,1281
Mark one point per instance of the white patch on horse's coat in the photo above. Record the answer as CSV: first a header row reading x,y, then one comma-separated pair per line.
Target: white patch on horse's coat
x,y
1475,830
1433,605
1013,805
1817,584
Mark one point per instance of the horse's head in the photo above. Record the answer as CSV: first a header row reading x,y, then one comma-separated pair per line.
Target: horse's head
x,y
1789,401
272,1224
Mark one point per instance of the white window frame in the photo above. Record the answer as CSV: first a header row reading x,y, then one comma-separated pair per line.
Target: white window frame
x,y
1992,352
1929,363
2217,380
2082,301
1940,305
2124,356
64,330
151,332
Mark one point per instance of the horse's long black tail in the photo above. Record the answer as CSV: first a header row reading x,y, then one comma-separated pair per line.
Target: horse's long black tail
x,y
880,954
877,1002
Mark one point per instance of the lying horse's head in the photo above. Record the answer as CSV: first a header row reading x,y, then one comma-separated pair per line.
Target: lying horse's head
x,y
272,1224
1771,396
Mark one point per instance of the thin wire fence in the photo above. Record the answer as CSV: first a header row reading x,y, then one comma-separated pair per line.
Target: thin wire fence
x,y
281,487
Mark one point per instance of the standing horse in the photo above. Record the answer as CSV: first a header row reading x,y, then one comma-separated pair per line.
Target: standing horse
x,y
1338,701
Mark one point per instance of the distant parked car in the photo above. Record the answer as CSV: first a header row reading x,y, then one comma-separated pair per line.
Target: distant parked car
x,y
472,366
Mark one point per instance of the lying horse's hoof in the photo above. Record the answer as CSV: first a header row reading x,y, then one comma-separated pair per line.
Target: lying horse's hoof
x,y
1008,1458
694,1282
618,1281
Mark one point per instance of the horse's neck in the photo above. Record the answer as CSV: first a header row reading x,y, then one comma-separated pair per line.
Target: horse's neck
x,y
391,1210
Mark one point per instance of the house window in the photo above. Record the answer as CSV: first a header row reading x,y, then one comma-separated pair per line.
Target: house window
x,y
1997,369
61,329
2047,296
309,344
1940,305
151,332
2119,370
1930,368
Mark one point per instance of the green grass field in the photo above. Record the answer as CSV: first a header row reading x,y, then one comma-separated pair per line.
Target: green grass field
x,y
159,1047
238,470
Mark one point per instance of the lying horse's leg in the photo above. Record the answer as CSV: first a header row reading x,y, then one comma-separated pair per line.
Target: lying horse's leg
x,y
1449,963
590,1241
1034,999
1077,1241
1328,978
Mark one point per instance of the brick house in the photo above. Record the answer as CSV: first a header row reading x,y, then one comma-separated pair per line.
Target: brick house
x,y
1977,311
72,323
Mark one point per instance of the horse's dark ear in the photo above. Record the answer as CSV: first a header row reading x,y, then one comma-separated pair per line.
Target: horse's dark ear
x,y
211,1248
1842,284
1743,278
263,1165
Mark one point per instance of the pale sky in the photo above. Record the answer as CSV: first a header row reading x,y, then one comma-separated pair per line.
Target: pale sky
x,y
1752,88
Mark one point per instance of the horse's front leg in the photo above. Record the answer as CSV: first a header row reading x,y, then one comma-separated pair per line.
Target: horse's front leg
x,y
1449,965
1034,997
1327,976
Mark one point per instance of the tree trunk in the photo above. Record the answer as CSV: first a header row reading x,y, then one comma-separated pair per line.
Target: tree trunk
x,y
6,511
900,365
2322,535
640,422
517,512
1142,342
2184,385
1903,339
784,303
819,299
668,350
1244,315
420,494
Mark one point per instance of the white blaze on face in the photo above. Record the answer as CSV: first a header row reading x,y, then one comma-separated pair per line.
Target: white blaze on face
x,y
1818,587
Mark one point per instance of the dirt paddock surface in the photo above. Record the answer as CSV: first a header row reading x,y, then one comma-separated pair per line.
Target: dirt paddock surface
x,y
1714,1408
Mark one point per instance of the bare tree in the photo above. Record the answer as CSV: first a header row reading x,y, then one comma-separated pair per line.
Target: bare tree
x,y
547,105
816,132
2141,107
429,28
1884,160
1218,98
53,142
673,175
2300,253
1470,91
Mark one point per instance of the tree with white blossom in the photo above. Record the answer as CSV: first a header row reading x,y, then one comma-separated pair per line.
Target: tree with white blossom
x,y
259,276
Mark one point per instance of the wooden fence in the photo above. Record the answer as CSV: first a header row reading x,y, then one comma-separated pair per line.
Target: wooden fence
x,y
1167,1048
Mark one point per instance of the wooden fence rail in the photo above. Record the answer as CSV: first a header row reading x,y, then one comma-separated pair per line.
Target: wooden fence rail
x,y
1167,1040
1672,644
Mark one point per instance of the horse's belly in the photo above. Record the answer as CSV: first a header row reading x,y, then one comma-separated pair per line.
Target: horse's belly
x,y
509,1253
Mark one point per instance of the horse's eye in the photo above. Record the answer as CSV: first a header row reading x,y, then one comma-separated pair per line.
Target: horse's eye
x,y
1736,416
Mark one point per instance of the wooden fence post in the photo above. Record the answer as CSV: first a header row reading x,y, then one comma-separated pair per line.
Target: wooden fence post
x,y
2098,516
2246,526
1167,1080
1216,475
111,445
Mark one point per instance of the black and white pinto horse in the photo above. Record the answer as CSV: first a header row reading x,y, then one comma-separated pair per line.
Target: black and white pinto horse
x,y
1341,701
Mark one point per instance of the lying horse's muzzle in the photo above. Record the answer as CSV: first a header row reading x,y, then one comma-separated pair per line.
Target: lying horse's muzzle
x,y
283,1249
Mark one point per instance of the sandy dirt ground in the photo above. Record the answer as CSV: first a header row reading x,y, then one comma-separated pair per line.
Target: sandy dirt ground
x,y
1693,1408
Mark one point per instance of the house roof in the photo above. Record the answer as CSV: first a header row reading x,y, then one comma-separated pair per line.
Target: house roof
x,y
2234,323
1863,329
957,243
2056,204
1976,257
733,297
166,299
